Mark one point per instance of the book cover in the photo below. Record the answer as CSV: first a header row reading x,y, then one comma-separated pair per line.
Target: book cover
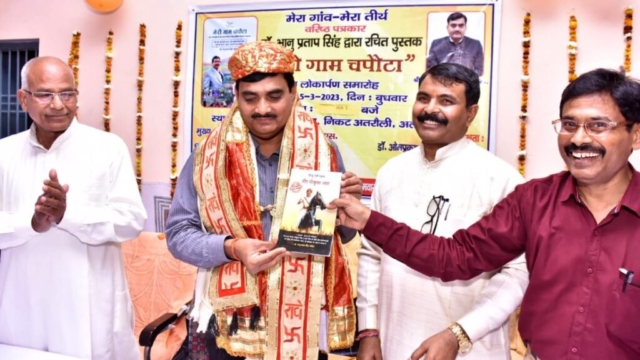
x,y
307,225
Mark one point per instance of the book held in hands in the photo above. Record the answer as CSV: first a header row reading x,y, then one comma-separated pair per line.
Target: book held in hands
x,y
307,225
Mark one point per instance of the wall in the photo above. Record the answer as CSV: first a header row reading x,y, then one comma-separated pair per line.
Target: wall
x,y
600,42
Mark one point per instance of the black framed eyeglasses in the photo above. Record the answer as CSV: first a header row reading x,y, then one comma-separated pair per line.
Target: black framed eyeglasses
x,y
434,209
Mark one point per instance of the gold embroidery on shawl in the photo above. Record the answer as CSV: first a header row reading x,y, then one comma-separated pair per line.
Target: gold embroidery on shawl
x,y
268,340
341,328
315,297
274,275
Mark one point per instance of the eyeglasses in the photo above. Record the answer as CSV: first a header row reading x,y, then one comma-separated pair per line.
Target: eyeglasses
x,y
45,97
434,208
592,127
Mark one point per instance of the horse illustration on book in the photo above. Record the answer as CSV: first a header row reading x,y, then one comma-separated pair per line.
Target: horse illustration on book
x,y
309,204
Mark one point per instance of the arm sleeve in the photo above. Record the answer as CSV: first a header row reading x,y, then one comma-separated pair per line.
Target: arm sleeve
x,y
186,239
432,59
369,257
479,60
121,218
498,300
485,246
206,82
15,228
504,292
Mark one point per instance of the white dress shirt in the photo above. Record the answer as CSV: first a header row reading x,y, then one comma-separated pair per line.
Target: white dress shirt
x,y
65,290
408,307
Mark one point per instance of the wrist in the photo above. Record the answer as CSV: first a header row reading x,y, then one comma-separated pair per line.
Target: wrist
x,y
463,340
453,339
229,248
37,227
368,333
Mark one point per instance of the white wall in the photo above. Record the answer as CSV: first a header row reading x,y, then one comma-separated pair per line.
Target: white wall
x,y
600,41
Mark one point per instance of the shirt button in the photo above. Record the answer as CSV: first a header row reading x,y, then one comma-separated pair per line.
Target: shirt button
x,y
596,233
590,270
581,309
574,350
270,163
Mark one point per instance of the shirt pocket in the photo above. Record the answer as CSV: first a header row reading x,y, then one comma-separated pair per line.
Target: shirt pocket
x,y
90,187
96,196
458,217
623,314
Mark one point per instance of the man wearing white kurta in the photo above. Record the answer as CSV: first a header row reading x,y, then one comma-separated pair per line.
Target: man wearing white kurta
x,y
445,184
62,282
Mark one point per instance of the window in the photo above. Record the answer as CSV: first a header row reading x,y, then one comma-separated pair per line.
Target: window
x,y
13,55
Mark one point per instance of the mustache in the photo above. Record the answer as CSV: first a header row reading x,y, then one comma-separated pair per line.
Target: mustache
x,y
264,116
438,118
568,149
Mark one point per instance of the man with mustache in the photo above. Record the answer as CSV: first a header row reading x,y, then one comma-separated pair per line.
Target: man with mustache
x,y
457,48
578,228
213,83
68,198
445,184
252,300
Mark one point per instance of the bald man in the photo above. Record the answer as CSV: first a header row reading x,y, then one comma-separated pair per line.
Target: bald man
x,y
68,198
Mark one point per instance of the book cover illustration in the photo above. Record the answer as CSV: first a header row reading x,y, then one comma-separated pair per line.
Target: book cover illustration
x,y
307,225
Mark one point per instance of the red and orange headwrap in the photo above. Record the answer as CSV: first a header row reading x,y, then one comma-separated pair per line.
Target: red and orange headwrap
x,y
261,56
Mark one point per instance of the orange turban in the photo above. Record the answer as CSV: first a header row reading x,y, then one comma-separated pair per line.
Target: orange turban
x,y
261,56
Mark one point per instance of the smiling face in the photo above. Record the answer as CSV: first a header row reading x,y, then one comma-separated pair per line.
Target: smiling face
x,y
49,75
596,159
266,105
440,113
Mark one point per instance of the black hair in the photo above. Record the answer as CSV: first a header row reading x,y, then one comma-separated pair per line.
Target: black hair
x,y
624,91
259,76
455,16
215,57
449,73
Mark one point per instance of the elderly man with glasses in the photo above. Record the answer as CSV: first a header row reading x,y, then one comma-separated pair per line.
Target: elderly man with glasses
x,y
68,198
443,185
578,228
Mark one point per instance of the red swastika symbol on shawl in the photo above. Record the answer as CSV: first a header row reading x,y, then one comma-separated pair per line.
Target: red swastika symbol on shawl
x,y
306,132
296,265
292,334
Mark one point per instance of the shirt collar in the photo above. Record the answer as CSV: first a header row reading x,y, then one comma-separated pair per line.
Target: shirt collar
x,y
629,200
568,188
454,43
448,150
33,140
257,147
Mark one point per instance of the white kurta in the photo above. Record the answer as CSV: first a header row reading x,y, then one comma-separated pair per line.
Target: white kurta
x,y
408,307
65,290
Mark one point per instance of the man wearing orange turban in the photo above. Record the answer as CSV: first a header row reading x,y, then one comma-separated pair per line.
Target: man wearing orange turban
x,y
252,300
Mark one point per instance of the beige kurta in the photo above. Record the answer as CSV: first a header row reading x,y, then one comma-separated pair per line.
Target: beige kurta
x,y
65,290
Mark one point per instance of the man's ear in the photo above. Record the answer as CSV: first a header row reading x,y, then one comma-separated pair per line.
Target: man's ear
x,y
22,98
473,111
635,132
